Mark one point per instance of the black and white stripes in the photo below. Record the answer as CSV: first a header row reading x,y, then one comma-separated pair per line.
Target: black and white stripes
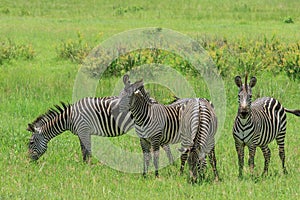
x,y
88,116
191,121
257,124
198,129
155,124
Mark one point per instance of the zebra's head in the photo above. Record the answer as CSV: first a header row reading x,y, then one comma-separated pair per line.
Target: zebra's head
x,y
193,163
37,143
245,95
126,95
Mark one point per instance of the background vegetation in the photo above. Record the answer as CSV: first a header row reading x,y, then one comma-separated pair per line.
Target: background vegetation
x,y
42,44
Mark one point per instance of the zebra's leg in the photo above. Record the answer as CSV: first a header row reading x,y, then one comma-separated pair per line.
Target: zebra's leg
x,y
155,146
169,153
85,144
280,143
183,159
213,163
146,153
240,152
267,155
252,151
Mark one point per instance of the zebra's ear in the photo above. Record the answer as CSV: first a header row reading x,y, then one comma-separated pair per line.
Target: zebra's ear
x,y
138,84
126,80
30,128
253,81
238,81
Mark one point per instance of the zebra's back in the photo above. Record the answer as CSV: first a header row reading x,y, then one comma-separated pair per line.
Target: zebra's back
x,y
198,125
95,116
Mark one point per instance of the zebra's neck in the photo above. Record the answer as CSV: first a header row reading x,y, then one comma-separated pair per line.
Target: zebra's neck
x,y
139,108
55,124
245,121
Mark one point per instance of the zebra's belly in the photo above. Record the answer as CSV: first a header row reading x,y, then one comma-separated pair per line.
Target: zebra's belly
x,y
170,139
145,131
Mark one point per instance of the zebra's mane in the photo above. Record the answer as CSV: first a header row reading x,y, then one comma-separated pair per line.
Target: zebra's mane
x,y
49,115
174,100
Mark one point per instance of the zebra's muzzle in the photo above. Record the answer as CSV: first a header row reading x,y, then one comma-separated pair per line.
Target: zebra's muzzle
x,y
33,155
244,114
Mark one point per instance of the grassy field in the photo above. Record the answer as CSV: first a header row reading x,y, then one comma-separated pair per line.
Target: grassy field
x,y
29,87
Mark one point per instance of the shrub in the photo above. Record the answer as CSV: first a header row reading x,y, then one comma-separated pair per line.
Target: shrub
x,y
75,50
231,58
10,50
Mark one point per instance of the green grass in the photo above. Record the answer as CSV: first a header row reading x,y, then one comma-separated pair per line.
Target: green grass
x,y
29,88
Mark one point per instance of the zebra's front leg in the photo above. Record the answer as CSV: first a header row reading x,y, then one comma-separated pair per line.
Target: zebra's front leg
x,y
155,146
169,153
267,155
183,159
240,152
85,144
146,154
213,163
252,151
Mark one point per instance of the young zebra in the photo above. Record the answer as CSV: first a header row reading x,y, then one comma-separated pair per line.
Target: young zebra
x,y
86,117
198,129
257,124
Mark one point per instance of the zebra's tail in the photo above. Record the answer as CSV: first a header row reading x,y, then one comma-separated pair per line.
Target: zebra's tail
x,y
295,112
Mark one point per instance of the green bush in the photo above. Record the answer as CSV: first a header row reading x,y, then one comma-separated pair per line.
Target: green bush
x,y
75,50
10,50
254,56
230,58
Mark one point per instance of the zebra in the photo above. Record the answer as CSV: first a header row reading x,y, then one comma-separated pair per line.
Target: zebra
x,y
153,130
155,124
86,117
257,124
198,128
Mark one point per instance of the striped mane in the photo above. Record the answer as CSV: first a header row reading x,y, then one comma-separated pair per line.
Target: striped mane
x,y
52,113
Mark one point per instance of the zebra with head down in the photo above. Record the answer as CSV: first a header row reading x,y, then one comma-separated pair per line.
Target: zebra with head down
x,y
86,117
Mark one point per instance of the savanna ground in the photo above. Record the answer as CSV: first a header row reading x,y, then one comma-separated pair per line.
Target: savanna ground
x,y
33,81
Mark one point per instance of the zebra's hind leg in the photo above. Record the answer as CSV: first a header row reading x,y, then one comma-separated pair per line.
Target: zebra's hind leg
x,y
213,163
146,153
280,142
267,155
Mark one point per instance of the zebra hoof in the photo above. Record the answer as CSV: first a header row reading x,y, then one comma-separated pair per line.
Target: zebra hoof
x,y
144,175
156,175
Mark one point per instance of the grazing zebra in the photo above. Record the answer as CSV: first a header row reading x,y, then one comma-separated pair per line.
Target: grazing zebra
x,y
257,124
88,116
198,128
